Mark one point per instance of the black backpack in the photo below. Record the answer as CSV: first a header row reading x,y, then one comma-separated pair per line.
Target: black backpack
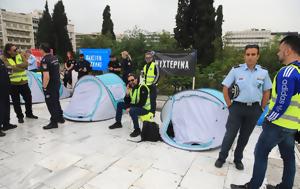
x,y
150,132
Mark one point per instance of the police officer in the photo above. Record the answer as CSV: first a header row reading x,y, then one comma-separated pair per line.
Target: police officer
x,y
136,103
282,121
4,100
19,81
151,75
83,67
254,86
51,85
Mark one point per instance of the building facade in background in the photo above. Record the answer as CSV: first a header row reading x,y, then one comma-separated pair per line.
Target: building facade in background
x,y
240,39
261,37
21,29
16,28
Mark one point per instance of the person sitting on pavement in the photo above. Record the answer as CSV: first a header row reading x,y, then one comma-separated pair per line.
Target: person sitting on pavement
x,y
136,103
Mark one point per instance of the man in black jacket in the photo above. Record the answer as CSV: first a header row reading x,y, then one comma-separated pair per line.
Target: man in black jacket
x,y
136,103
4,100
83,67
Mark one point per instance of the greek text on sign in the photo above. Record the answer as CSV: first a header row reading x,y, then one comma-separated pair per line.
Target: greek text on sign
x,y
173,64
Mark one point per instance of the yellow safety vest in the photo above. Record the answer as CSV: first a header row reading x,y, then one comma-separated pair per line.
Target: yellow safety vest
x,y
135,97
149,76
291,117
20,75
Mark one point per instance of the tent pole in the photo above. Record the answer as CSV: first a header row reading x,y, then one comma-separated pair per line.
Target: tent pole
x,y
194,80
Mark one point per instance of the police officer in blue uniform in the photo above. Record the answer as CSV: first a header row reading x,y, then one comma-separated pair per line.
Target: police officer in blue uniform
x,y
4,100
51,85
254,86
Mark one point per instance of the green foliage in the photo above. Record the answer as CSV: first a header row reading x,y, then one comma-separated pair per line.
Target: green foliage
x,y
107,25
268,58
218,43
45,29
181,32
195,27
136,43
60,22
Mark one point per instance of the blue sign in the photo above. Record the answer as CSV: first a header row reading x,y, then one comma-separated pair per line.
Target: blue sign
x,y
98,58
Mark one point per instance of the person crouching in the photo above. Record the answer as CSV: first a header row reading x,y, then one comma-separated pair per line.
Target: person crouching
x,y
136,103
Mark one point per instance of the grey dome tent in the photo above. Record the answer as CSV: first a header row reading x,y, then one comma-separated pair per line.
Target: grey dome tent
x,y
95,98
36,87
194,120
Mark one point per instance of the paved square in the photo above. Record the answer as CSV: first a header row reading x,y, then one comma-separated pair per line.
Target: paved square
x,y
90,156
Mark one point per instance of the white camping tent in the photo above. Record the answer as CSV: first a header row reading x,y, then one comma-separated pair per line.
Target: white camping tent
x,y
194,120
36,87
95,98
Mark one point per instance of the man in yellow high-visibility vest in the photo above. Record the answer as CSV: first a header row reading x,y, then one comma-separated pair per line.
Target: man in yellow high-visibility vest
x,y
4,100
19,81
136,103
151,76
282,121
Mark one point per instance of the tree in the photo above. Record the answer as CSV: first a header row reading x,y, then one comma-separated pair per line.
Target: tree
x,y
195,27
203,27
45,29
60,22
218,43
107,25
181,32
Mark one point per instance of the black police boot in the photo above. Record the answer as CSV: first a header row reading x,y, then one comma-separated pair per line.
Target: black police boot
x,y
135,133
115,125
61,120
8,127
239,165
20,120
245,186
2,134
219,163
31,116
51,125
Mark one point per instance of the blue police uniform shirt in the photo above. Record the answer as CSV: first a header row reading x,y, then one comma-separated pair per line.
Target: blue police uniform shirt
x,y
251,83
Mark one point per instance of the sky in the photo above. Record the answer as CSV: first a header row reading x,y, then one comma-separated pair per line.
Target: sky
x,y
158,15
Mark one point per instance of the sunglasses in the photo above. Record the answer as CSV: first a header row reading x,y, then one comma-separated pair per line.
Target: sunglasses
x,y
15,50
131,80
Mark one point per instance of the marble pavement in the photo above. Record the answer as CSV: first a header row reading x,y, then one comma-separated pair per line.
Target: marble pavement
x,y
90,156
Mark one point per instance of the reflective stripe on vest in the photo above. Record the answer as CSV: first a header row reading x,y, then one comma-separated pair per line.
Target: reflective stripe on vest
x,y
20,75
150,75
135,97
291,117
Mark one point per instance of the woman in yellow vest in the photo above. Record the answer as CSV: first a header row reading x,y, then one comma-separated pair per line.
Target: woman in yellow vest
x,y
283,120
19,81
136,103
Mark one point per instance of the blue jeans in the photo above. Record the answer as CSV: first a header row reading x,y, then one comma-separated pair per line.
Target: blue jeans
x,y
134,113
271,136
